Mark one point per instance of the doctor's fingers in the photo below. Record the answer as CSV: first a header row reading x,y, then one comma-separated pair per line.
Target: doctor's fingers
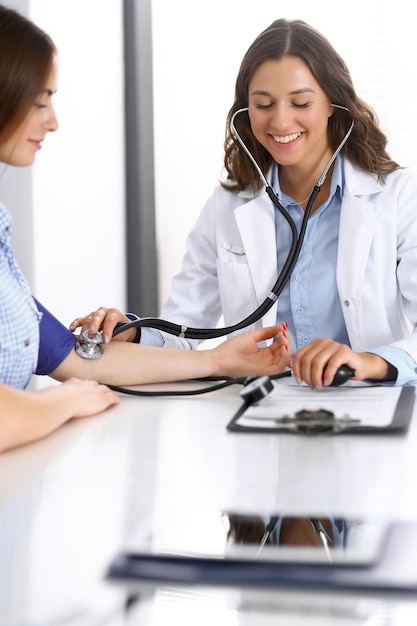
x,y
104,319
317,362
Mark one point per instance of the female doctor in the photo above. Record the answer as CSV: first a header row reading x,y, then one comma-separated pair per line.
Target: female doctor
x,y
297,124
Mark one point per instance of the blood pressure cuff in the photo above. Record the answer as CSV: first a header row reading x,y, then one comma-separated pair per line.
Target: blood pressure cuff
x,y
55,342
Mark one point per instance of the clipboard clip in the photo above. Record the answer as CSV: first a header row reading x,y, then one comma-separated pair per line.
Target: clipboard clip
x,y
315,421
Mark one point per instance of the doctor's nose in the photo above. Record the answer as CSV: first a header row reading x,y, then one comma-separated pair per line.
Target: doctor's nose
x,y
281,118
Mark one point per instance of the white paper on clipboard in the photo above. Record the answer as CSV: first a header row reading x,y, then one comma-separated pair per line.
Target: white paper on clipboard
x,y
372,405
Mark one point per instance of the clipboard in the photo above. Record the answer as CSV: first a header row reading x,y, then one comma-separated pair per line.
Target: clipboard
x,y
294,409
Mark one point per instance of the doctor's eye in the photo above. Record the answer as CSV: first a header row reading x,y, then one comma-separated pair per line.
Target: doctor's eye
x,y
304,105
263,107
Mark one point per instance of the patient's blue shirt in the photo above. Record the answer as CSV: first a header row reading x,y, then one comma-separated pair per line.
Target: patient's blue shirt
x,y
31,339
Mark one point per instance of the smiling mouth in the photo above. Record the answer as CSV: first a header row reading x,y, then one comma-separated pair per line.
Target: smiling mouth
x,y
286,138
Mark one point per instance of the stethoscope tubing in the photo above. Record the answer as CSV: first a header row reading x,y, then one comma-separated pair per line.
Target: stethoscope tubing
x,y
187,332
225,382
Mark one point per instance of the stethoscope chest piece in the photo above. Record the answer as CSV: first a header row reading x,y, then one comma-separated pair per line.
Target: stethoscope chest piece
x,y
89,347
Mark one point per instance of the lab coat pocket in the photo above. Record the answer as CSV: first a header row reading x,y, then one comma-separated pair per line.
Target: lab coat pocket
x,y
237,291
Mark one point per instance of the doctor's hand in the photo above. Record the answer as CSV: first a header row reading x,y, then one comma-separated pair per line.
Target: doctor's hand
x,y
317,362
104,319
241,356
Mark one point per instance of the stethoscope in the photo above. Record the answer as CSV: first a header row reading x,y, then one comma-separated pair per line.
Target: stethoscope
x,y
90,348
325,539
271,534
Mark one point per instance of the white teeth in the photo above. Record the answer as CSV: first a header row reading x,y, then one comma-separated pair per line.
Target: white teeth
x,y
287,138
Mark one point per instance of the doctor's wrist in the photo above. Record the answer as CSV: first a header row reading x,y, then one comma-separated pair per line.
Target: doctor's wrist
x,y
133,334
136,337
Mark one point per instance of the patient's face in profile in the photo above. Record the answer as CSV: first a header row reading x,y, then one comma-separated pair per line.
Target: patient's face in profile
x,y
21,148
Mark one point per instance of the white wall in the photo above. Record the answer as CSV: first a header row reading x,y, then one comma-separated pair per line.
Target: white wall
x,y
197,52
69,223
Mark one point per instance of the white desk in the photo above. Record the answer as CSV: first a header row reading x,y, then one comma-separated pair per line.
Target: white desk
x,y
69,502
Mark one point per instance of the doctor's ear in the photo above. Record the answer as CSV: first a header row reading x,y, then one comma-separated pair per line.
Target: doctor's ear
x,y
332,106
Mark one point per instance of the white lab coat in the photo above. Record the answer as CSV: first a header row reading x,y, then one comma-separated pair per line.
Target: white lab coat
x,y
230,265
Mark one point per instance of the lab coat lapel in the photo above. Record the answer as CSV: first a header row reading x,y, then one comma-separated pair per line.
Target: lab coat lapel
x,y
357,226
255,220
358,221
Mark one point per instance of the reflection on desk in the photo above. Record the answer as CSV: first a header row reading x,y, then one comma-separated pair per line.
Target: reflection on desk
x,y
207,606
69,503
310,539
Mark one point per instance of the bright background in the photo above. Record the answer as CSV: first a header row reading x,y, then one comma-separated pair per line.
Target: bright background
x,y
69,207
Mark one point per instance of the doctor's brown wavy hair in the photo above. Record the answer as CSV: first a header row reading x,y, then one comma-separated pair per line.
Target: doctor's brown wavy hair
x,y
366,146
26,57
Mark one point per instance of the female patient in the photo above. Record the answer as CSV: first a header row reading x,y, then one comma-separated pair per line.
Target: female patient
x,y
33,341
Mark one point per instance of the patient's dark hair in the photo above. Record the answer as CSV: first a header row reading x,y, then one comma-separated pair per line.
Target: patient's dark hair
x,y
26,57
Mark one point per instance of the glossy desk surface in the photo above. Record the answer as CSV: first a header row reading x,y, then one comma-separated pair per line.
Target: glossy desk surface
x,y
70,502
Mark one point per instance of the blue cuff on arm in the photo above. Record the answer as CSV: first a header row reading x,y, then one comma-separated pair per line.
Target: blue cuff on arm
x,y
55,342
